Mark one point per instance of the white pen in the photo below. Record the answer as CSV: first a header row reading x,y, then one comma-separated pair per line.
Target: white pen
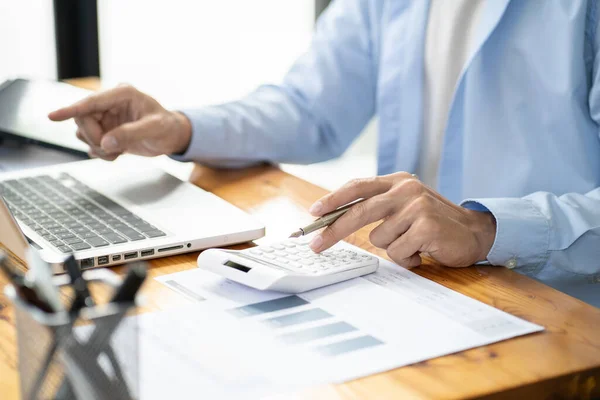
x,y
41,278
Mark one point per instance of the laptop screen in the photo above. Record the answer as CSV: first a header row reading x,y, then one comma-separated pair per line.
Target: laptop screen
x,y
24,108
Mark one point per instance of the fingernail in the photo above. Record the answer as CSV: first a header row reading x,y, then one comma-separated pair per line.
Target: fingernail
x,y
316,243
109,144
316,208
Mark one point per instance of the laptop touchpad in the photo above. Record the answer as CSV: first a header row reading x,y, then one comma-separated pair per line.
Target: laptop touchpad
x,y
158,192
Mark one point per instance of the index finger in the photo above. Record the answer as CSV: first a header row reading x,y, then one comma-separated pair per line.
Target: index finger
x,y
98,102
359,215
353,190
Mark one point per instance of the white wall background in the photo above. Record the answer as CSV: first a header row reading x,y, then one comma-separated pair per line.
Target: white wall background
x,y
191,53
27,46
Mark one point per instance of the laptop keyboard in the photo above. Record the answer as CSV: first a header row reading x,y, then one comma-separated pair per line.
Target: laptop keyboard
x,y
72,216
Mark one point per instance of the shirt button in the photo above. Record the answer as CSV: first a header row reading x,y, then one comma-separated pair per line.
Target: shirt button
x,y
511,263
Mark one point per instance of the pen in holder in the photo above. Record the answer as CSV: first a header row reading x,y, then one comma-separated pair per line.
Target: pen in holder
x,y
90,356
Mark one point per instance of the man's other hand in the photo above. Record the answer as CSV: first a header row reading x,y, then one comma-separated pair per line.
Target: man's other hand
x,y
125,120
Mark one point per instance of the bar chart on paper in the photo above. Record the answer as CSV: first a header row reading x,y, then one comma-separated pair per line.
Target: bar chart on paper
x,y
291,320
308,325
362,326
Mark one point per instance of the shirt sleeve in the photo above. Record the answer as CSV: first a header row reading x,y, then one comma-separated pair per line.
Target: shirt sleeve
x,y
322,105
543,228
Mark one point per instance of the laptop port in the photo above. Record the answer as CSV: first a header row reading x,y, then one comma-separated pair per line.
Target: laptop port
x,y
129,256
86,263
170,248
103,260
117,258
146,253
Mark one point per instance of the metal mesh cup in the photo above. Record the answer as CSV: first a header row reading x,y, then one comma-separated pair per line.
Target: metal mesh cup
x,y
95,359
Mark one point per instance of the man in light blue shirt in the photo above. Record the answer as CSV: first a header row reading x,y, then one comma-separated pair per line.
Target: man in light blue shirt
x,y
519,170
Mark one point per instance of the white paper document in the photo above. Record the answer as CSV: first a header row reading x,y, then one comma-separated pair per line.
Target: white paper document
x,y
235,340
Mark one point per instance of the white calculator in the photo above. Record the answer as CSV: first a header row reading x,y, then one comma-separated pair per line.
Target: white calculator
x,y
289,266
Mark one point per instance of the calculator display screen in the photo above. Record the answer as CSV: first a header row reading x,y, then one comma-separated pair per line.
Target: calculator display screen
x,y
237,266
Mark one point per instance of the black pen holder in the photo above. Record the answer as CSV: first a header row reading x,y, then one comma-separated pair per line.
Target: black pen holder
x,y
96,358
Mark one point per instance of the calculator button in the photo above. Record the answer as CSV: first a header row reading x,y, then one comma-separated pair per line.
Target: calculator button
x,y
295,264
292,251
269,256
280,253
306,262
293,257
282,261
277,247
256,251
267,249
289,244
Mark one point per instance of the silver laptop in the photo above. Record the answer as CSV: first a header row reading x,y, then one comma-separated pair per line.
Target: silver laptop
x,y
108,213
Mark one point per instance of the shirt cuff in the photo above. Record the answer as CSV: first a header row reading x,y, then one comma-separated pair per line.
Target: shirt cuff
x,y
522,232
208,121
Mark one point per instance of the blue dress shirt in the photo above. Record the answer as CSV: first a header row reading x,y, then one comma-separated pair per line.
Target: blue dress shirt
x,y
522,138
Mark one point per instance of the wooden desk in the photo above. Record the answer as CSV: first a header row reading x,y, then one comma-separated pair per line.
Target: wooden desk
x,y
562,362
